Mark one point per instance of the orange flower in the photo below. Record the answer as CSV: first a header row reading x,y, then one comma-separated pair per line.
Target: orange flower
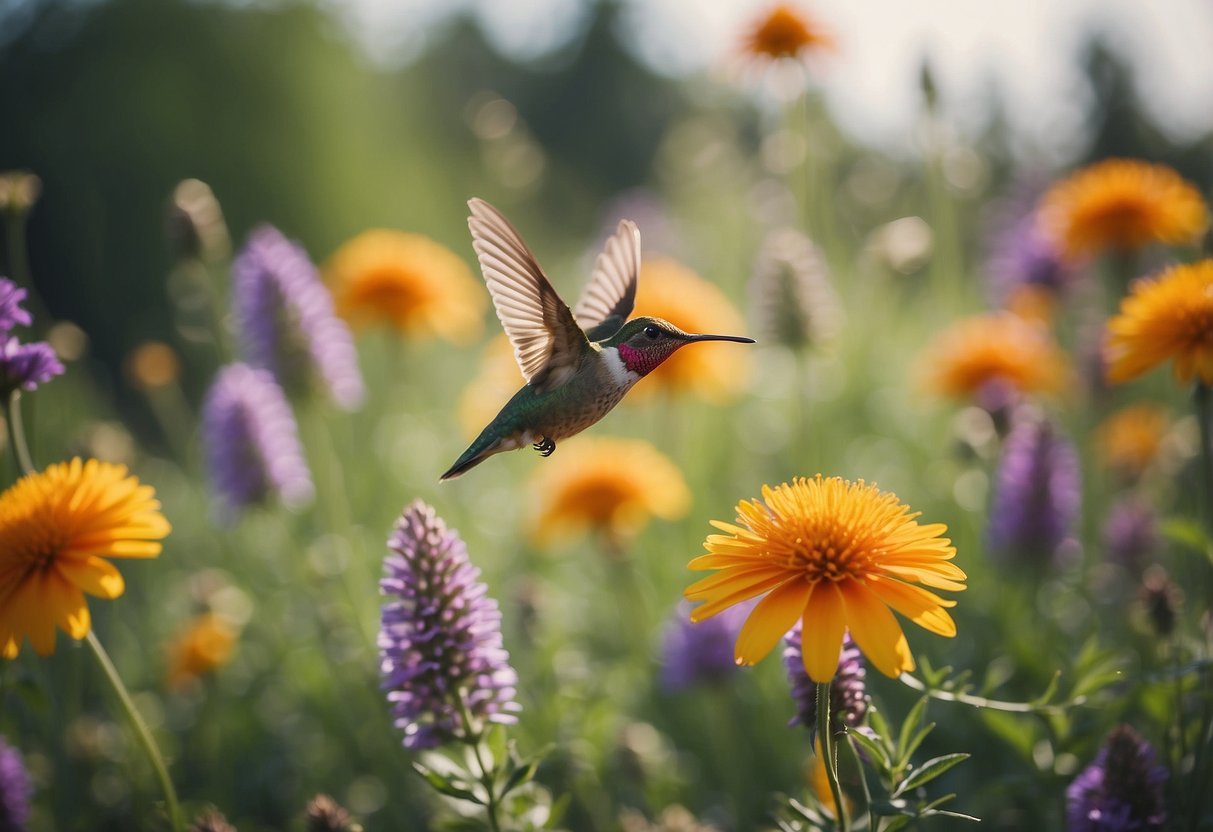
x,y
837,555
1128,440
785,32
409,282
610,486
57,529
997,347
1169,316
1122,204
716,372
203,646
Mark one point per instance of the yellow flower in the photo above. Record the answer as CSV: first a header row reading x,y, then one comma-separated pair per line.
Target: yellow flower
x,y
499,379
1122,204
997,347
785,32
716,372
406,281
57,528
1129,439
204,645
610,486
837,555
1168,316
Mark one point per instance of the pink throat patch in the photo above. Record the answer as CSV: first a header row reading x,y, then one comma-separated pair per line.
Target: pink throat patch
x,y
638,361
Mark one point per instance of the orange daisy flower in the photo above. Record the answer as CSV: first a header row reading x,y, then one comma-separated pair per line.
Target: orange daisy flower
x,y
996,347
205,645
606,485
785,32
669,290
1129,439
1168,316
57,529
1122,204
838,555
409,282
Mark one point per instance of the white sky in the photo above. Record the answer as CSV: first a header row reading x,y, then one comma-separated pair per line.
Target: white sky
x,y
1027,46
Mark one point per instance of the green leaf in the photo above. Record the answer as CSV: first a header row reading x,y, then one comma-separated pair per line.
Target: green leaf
x,y
889,808
910,726
521,774
1187,532
900,822
1047,694
910,748
875,750
876,722
928,771
448,786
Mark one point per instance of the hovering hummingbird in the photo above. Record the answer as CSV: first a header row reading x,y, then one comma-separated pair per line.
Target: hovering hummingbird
x,y
577,363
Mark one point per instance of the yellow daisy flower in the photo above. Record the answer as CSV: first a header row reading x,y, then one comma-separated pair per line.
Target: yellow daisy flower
x,y
1129,439
204,645
409,282
1122,204
57,528
605,485
1168,316
997,347
837,555
785,32
669,290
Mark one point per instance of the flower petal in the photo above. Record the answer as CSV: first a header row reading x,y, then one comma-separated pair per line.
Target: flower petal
x,y
94,575
770,620
920,606
875,630
822,632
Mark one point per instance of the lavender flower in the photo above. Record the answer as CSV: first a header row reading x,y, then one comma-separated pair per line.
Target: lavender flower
x,y
286,318
848,695
790,292
1037,493
692,654
440,640
1121,791
1130,535
11,313
16,790
1021,253
252,441
25,366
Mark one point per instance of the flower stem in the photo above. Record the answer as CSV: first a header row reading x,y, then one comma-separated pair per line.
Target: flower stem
x,y
829,753
487,778
16,433
142,732
1203,415
983,702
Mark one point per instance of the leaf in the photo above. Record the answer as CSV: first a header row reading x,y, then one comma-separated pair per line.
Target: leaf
x,y
928,771
1047,694
447,785
878,724
910,726
1187,532
889,808
909,750
521,774
875,750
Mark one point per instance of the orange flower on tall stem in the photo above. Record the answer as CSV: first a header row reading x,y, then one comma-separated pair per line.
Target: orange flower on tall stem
x,y
1163,318
785,32
840,556
58,530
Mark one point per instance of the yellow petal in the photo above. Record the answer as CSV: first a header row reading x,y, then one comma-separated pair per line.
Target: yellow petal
x,y
875,630
770,620
822,630
723,602
732,579
65,602
94,575
917,604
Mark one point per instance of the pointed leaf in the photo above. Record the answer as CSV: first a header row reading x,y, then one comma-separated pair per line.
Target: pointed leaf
x,y
928,771
875,750
878,724
910,726
904,759
447,785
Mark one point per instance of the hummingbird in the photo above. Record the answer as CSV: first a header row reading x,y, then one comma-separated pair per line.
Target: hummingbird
x,y
578,363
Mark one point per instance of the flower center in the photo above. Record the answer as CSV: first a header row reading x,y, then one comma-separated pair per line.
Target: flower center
x,y
829,559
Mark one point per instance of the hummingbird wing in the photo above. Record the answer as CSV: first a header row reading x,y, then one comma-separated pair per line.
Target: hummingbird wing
x,y
548,343
611,293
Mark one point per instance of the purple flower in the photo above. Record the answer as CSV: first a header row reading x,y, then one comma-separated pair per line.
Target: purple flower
x,y
440,639
16,790
286,318
1121,791
692,654
252,441
848,695
25,366
11,313
1021,253
790,292
1037,494
1130,535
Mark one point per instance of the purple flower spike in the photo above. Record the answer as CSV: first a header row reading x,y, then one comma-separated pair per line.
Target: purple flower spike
x,y
25,366
1121,791
848,694
1037,494
693,654
286,318
440,639
1130,535
16,790
11,313
1020,252
252,441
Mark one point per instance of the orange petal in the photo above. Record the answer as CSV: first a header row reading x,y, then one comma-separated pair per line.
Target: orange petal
x,y
822,631
29,614
770,620
94,575
65,602
732,579
920,606
721,603
875,630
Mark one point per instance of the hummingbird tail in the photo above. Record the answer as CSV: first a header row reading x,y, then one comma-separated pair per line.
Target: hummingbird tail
x,y
470,458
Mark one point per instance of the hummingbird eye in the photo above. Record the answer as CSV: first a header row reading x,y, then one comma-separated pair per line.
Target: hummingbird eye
x,y
651,331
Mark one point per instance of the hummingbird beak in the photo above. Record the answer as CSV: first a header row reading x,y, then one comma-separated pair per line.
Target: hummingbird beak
x,y
737,338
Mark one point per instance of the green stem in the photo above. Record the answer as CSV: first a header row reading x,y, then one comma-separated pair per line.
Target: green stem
x,y
16,433
1201,396
873,820
982,702
829,756
487,778
142,732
